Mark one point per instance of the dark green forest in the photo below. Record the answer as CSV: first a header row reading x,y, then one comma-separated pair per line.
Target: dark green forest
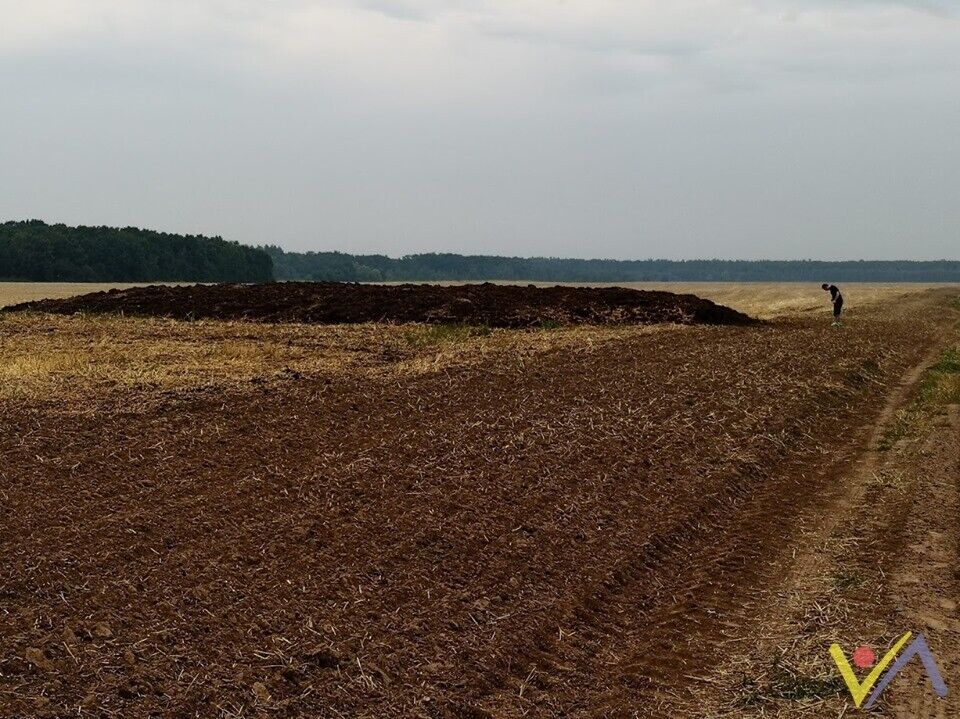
x,y
380,268
37,252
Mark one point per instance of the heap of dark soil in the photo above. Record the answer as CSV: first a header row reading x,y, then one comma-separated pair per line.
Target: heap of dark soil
x,y
333,303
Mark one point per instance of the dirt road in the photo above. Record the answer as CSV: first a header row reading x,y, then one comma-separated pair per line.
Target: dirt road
x,y
874,556
626,527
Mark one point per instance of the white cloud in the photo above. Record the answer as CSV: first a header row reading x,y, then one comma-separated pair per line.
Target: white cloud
x,y
423,124
417,44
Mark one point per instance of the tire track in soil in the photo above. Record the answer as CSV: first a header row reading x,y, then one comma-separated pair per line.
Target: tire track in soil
x,y
924,586
876,559
660,619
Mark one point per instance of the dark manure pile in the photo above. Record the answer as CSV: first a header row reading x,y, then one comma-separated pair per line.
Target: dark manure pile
x,y
487,304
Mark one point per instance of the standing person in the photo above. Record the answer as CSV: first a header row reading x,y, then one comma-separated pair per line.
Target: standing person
x,y
837,299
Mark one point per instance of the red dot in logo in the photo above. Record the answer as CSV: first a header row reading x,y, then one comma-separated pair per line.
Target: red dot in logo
x,y
864,657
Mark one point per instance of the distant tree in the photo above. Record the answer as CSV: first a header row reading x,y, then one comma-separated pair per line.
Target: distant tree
x,y
36,251
434,267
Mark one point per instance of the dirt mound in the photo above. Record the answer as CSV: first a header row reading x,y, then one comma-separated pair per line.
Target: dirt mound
x,y
335,303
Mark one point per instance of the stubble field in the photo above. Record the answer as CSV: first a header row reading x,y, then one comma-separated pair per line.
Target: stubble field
x,y
224,519
12,293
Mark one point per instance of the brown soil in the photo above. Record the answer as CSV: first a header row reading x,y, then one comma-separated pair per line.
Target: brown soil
x,y
876,557
335,303
578,532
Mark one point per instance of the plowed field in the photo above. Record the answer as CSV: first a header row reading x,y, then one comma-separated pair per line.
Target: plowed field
x,y
579,522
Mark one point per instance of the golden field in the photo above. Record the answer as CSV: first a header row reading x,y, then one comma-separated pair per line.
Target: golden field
x,y
12,293
100,355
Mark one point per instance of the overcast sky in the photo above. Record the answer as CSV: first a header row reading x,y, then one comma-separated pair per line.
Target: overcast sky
x,y
582,128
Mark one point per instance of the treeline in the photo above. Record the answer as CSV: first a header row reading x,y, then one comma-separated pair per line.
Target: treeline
x,y
338,266
37,252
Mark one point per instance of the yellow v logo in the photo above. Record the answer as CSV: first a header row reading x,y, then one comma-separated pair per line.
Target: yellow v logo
x,y
860,691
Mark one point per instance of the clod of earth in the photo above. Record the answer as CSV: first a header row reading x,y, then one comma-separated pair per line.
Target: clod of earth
x,y
37,658
102,630
261,692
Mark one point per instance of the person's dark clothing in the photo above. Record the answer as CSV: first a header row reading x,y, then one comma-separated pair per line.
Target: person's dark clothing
x,y
837,300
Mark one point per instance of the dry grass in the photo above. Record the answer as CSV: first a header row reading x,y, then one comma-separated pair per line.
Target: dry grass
x,y
939,388
775,299
12,293
44,354
51,355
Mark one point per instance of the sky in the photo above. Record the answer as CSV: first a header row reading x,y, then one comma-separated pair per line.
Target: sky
x,y
631,129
